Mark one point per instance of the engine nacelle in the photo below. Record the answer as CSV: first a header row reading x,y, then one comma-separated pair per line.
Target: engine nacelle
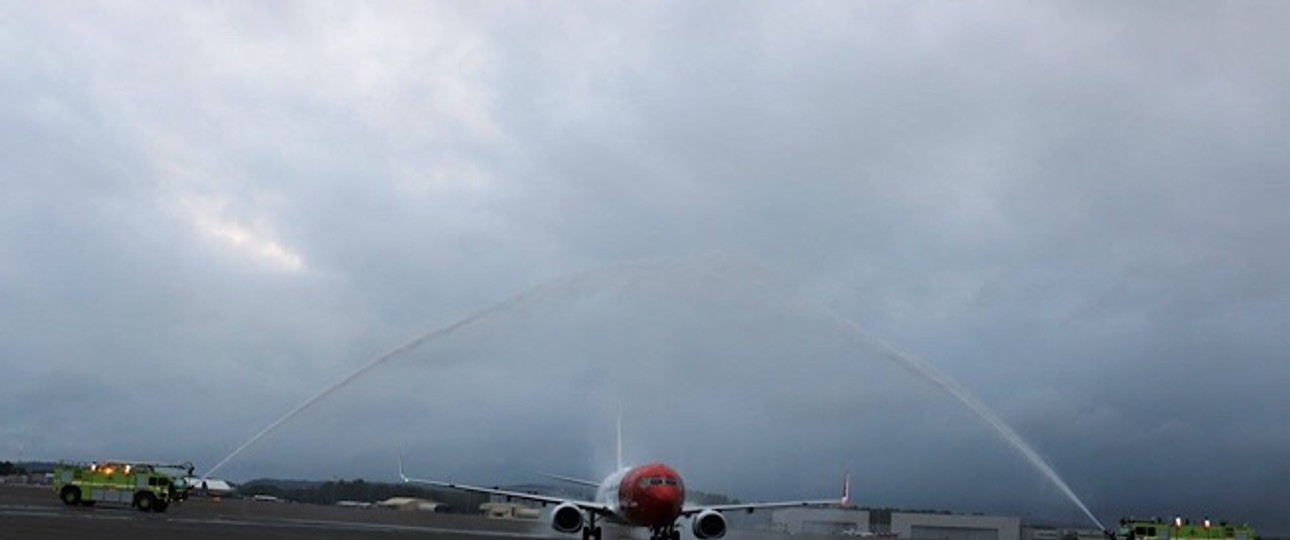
x,y
567,518
708,524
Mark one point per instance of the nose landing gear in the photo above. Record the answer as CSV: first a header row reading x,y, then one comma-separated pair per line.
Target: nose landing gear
x,y
669,532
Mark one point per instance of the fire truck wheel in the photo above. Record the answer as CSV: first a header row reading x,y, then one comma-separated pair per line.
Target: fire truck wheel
x,y
71,495
145,501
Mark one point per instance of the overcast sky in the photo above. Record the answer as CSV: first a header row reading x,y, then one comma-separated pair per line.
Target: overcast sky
x,y
210,212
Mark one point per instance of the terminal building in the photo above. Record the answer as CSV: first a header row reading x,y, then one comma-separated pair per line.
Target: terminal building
x,y
895,523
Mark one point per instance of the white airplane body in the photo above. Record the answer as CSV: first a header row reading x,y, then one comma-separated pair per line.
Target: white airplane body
x,y
651,496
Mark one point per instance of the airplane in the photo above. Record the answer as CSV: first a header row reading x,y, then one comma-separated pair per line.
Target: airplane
x,y
651,496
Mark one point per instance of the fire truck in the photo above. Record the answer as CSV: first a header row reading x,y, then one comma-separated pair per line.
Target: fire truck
x,y
150,487
1181,529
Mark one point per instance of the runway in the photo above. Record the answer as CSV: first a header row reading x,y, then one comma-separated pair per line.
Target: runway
x,y
35,513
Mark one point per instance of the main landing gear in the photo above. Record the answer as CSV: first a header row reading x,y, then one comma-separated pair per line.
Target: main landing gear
x,y
669,532
590,531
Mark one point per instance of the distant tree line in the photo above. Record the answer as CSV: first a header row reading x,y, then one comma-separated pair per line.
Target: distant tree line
x,y
361,490
8,468
331,492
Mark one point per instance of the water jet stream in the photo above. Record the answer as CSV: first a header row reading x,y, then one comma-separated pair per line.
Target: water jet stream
x,y
570,282
512,302
564,283
943,380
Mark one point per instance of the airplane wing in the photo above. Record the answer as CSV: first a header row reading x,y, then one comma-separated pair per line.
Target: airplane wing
x,y
750,507
571,480
843,501
589,506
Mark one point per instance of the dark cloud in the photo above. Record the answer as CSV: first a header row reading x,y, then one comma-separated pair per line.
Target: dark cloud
x,y
207,214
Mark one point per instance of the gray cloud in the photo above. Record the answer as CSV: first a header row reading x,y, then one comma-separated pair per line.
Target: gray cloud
x,y
208,213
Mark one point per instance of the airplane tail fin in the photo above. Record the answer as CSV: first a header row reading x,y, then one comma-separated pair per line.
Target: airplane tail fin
x,y
846,489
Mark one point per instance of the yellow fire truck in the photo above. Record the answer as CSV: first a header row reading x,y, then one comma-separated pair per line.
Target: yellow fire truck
x,y
150,487
1181,529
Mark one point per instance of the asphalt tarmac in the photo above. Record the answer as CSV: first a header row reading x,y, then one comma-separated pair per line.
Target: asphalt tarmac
x,y
35,513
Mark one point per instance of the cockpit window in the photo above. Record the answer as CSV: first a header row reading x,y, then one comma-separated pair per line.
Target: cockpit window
x,y
658,481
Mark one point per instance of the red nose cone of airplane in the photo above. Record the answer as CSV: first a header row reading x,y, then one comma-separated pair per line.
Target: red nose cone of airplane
x,y
660,505
652,495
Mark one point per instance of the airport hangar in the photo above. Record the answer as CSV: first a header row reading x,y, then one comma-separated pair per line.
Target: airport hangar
x,y
889,523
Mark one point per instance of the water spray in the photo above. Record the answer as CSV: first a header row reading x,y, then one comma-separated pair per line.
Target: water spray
x,y
505,305
566,282
931,373
571,281
937,377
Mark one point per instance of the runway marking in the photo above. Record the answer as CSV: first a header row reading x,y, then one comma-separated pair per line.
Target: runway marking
x,y
47,512
28,513
329,524
26,506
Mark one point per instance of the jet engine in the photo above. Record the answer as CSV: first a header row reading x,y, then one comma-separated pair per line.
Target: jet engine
x,y
708,524
567,518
